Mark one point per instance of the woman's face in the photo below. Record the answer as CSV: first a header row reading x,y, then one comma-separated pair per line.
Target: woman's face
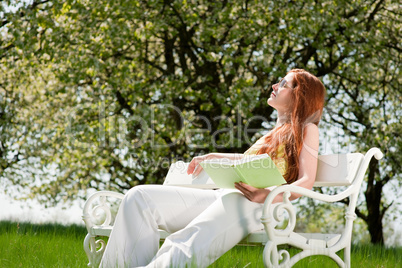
x,y
280,98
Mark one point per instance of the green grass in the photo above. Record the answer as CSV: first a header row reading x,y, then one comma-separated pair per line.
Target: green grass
x,y
362,256
45,245
54,245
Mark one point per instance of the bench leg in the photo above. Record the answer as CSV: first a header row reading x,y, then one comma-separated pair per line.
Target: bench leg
x,y
346,256
91,249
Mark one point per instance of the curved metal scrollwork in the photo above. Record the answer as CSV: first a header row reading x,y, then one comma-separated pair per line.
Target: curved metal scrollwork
x,y
279,213
102,207
274,258
97,204
284,256
94,250
274,217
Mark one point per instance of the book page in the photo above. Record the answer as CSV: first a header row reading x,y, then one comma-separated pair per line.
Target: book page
x,y
227,161
221,172
260,173
177,176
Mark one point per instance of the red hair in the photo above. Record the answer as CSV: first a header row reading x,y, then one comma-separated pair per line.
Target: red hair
x,y
308,97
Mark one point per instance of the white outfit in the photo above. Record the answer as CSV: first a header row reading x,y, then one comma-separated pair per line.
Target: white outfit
x,y
204,225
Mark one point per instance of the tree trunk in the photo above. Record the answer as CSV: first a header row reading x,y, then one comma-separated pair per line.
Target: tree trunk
x,y
373,200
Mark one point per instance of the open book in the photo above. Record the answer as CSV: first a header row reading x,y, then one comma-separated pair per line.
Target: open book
x,y
257,170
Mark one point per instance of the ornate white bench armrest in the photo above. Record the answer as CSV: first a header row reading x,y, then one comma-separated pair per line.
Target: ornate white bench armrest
x,y
97,204
315,244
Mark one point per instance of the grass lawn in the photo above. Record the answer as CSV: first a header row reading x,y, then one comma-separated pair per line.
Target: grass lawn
x,y
54,245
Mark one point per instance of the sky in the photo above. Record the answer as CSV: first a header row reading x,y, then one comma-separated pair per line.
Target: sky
x,y
32,211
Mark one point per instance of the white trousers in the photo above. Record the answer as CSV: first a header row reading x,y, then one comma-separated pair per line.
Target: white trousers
x,y
204,225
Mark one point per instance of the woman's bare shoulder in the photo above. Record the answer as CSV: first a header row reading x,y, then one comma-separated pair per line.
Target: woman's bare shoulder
x,y
310,128
311,136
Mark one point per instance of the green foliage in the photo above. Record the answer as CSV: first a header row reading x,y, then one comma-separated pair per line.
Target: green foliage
x,y
105,94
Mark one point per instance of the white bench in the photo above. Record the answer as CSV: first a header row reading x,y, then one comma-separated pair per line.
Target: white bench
x,y
333,170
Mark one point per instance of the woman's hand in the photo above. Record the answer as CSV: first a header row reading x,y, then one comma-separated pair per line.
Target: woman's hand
x,y
251,193
194,166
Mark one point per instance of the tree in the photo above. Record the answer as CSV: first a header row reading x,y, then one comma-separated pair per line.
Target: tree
x,y
14,73
120,89
367,110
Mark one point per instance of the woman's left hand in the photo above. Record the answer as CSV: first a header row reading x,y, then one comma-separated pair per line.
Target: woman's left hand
x,y
251,193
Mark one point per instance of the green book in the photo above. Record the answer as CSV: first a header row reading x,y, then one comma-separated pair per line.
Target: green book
x,y
258,171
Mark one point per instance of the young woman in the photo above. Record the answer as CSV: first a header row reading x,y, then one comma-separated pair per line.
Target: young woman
x,y
207,223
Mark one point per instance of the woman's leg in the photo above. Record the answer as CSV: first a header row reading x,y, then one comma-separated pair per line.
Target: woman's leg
x,y
134,240
216,230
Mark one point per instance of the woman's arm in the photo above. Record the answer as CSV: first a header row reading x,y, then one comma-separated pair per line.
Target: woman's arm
x,y
195,168
307,169
308,159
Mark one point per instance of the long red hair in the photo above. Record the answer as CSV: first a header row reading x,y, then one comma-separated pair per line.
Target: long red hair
x,y
308,96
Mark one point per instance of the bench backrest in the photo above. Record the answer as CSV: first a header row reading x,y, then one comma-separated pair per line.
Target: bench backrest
x,y
337,169
332,170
